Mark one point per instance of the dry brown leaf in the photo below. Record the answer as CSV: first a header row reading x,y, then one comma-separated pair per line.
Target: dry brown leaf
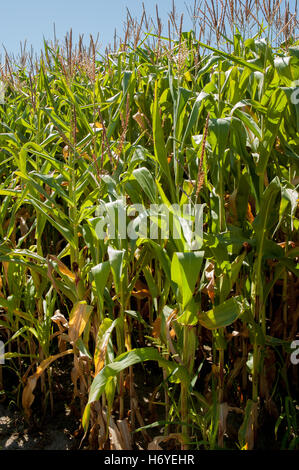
x,y
154,445
140,290
80,370
266,181
124,430
60,320
98,419
176,356
223,413
102,435
249,214
135,407
290,244
65,151
28,396
172,333
210,275
62,323
232,207
157,328
116,441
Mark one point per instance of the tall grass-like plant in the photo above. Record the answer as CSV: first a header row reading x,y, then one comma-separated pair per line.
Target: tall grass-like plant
x,y
201,117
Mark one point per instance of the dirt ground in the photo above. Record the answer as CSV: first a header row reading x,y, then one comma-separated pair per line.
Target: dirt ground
x,y
49,432
54,434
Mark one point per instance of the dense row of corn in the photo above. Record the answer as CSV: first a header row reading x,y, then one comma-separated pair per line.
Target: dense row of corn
x,y
216,323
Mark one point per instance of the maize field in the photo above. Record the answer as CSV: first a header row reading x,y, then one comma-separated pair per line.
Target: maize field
x,y
163,341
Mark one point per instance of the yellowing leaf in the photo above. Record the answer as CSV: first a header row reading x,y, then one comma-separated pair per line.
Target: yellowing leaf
x,y
78,319
63,268
65,151
103,337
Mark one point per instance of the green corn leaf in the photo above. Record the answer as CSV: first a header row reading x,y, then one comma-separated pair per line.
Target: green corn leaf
x,y
222,315
116,262
146,182
237,60
185,268
159,143
100,273
122,362
268,214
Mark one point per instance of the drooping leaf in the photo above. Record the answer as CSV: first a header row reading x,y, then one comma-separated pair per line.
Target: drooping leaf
x,y
222,315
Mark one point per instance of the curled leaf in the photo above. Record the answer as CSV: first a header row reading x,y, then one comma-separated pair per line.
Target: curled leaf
x,y
28,396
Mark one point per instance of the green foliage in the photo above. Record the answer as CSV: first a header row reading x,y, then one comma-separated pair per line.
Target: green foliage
x,y
78,149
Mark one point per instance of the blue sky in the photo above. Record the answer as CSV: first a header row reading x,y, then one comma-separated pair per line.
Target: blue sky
x,y
33,19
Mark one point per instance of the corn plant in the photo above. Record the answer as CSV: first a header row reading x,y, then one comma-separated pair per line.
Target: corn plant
x,y
88,147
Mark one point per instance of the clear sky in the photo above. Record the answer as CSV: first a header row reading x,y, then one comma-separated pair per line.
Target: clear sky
x,y
33,19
